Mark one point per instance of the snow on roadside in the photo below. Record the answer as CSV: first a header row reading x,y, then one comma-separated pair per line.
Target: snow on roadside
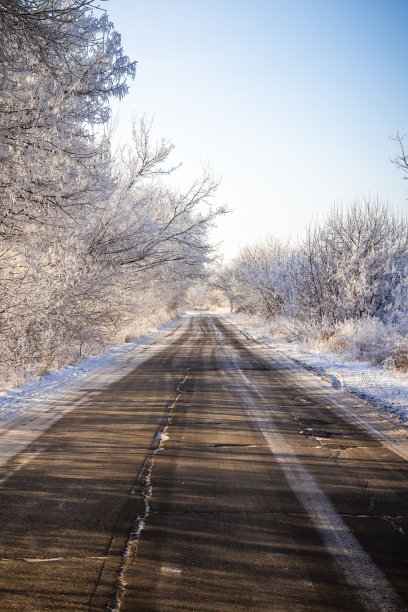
x,y
387,390
25,398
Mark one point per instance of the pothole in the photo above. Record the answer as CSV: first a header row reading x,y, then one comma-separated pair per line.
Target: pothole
x,y
314,431
312,428
206,423
232,445
317,434
340,447
315,422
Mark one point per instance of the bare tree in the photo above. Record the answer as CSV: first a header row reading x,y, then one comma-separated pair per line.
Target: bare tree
x,y
401,160
255,282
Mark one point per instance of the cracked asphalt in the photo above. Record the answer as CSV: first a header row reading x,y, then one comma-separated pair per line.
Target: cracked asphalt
x,y
214,476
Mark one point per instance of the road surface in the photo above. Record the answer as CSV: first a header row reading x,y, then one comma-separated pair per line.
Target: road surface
x,y
209,475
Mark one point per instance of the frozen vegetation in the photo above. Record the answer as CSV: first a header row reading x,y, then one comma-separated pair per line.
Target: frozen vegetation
x,y
336,300
95,248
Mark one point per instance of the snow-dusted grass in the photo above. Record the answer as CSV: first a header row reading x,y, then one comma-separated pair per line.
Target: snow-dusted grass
x,y
372,340
39,390
341,363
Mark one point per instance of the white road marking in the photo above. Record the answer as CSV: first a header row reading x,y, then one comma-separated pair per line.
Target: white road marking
x,y
24,461
298,373
372,588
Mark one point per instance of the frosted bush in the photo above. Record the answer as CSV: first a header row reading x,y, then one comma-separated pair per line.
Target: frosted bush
x,y
311,333
398,359
368,339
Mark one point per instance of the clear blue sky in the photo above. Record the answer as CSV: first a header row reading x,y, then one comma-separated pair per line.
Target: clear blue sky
x,y
292,102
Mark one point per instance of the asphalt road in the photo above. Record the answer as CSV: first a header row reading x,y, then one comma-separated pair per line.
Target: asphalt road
x,y
212,476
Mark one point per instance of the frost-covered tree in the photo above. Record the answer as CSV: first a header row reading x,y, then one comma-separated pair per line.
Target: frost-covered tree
x,y
148,225
53,154
256,281
350,265
102,273
94,248
40,28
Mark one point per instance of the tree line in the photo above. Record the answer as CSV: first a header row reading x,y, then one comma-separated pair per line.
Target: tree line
x,y
94,246
344,283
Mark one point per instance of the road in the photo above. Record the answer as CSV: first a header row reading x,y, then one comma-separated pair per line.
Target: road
x,y
212,475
